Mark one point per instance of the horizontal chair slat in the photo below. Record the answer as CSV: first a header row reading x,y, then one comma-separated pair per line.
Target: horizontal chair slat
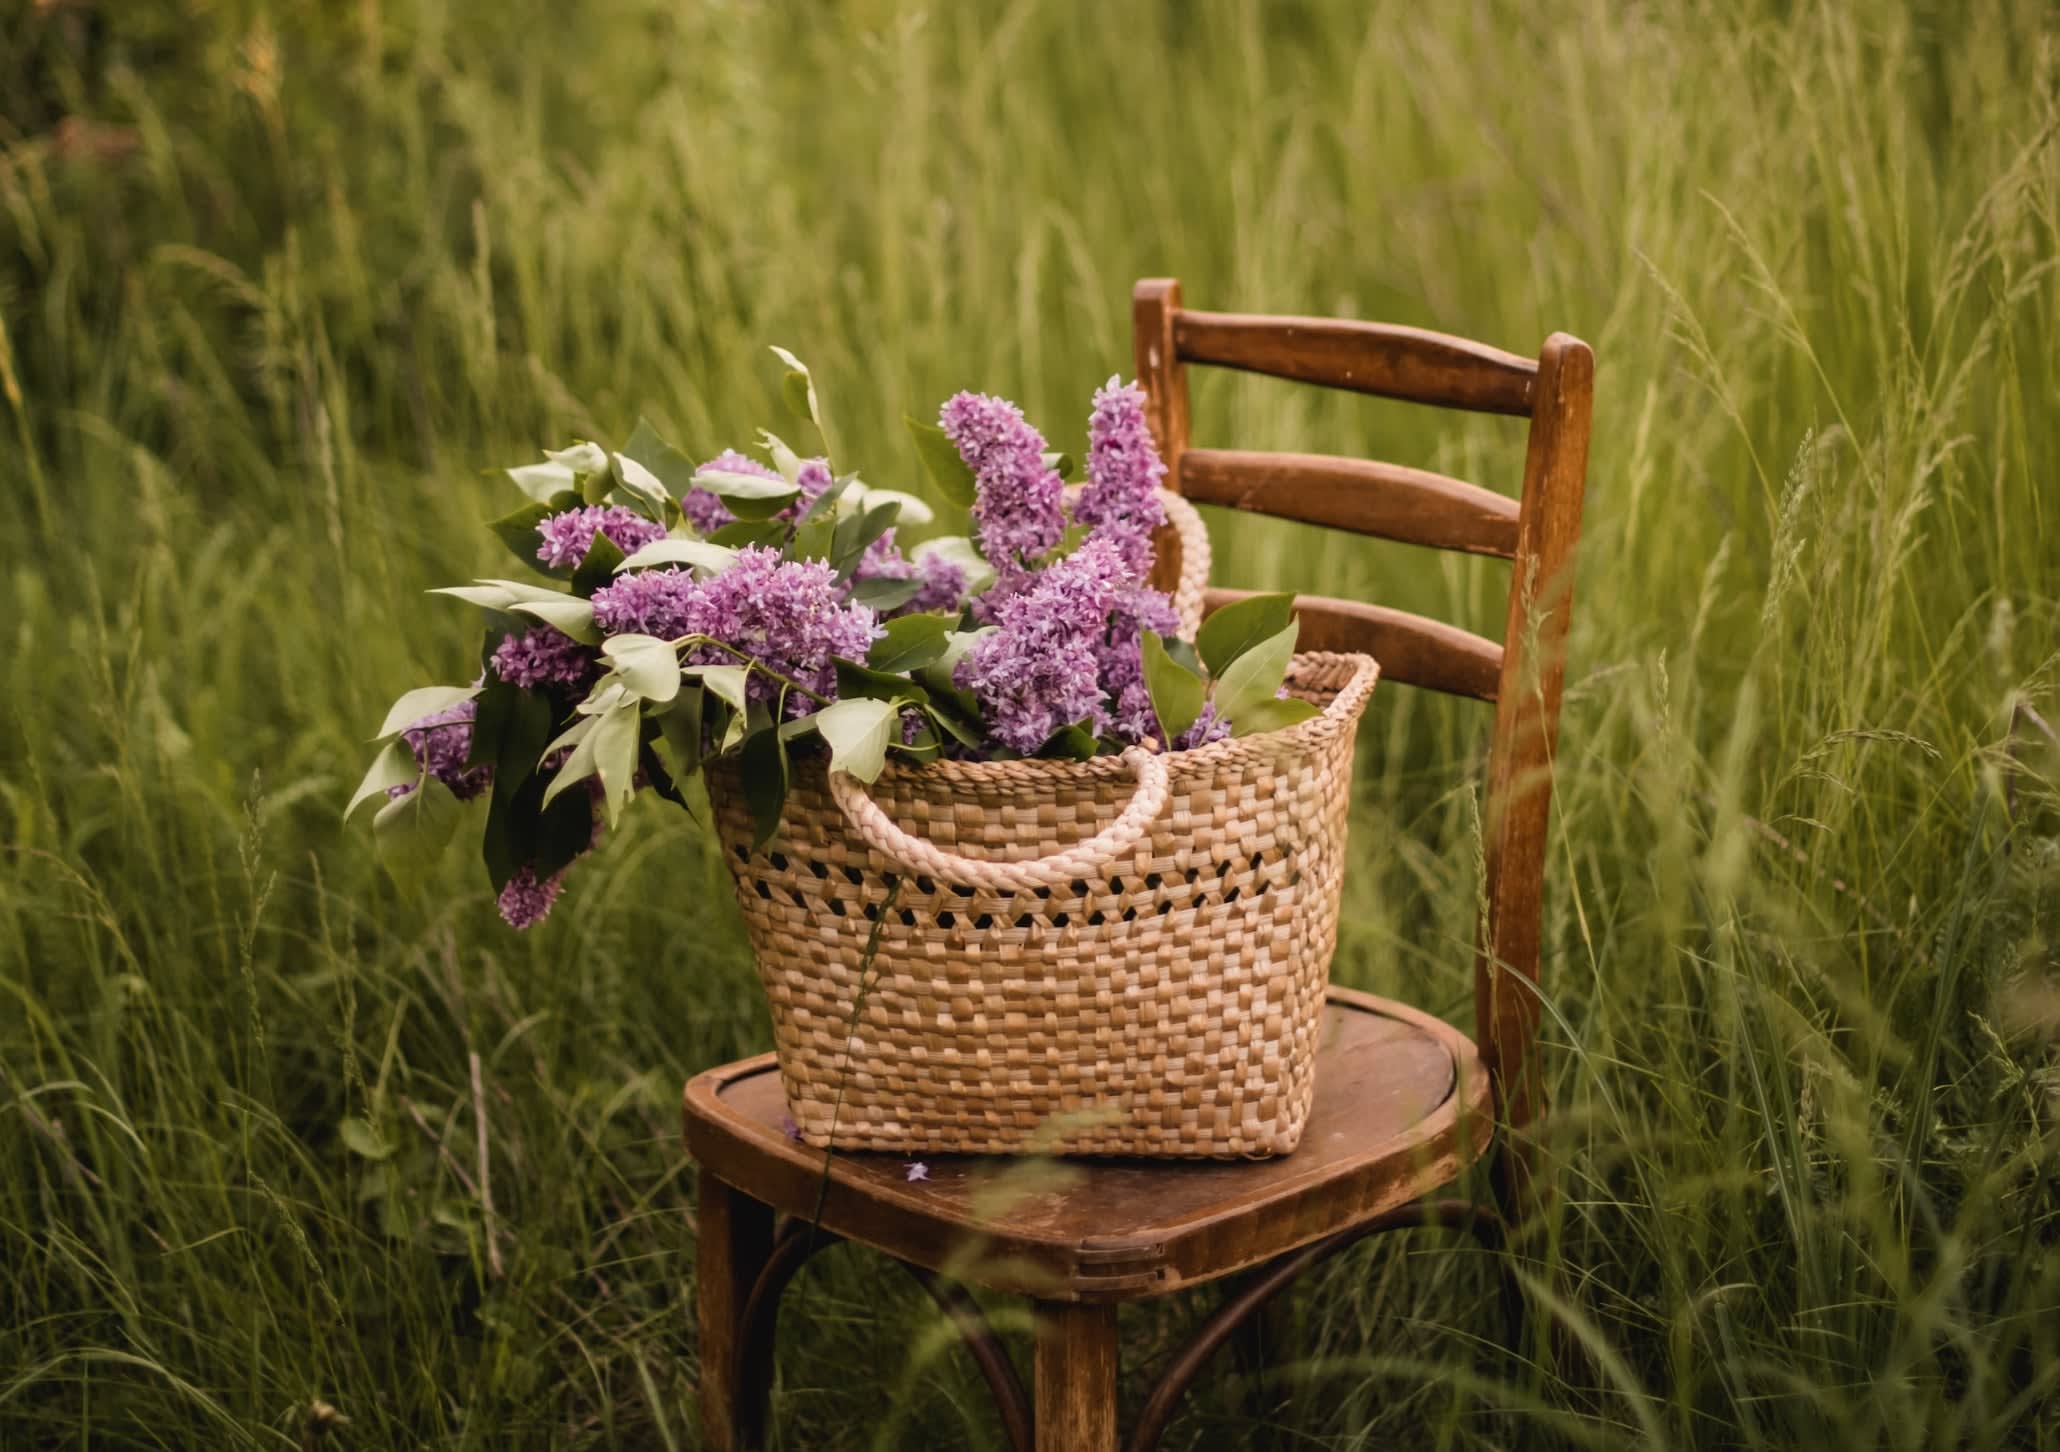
x,y
1411,650
1379,358
1390,501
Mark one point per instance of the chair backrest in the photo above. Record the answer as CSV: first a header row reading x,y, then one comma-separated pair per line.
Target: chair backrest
x,y
1522,675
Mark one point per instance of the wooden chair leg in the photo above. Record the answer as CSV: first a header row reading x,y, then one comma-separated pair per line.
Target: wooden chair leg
x,y
1076,1377
735,1240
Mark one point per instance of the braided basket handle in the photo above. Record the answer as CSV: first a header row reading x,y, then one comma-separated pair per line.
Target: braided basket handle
x,y
1083,859
1194,561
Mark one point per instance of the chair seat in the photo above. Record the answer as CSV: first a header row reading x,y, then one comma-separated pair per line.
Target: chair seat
x,y
1401,1107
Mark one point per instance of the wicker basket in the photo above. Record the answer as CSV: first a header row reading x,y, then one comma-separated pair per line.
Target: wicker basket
x,y
1123,956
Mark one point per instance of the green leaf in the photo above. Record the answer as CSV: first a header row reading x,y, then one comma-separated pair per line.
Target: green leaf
x,y
811,407
949,715
740,532
764,770
1256,674
854,679
1272,715
1060,464
394,766
420,702
724,682
570,616
542,482
498,594
581,460
579,765
614,741
1071,743
518,531
813,538
910,643
695,552
411,832
363,1139
675,471
645,487
942,462
798,396
857,732
784,459
1184,652
1177,693
649,667
602,560
855,535
1235,629
883,594
749,496
680,728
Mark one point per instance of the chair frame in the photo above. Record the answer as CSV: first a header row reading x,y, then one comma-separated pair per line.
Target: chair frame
x,y
745,1263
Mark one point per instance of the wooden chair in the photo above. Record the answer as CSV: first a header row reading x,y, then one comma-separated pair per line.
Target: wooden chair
x,y
1403,1102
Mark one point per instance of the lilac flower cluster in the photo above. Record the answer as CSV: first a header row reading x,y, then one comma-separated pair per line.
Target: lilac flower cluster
x,y
568,536
542,657
1121,500
646,602
788,615
525,901
441,742
1138,609
1018,512
1041,669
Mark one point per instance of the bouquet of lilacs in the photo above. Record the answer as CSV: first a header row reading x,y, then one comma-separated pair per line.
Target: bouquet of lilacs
x,y
768,609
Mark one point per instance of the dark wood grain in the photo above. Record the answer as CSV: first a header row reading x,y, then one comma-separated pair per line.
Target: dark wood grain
x,y
732,1241
1399,1107
1154,303
1413,650
1076,1377
1520,757
1366,496
1380,358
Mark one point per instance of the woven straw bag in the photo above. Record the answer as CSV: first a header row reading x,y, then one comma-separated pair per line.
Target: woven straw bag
x,y
1122,956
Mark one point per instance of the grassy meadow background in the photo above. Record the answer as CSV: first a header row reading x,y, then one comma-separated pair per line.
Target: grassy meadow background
x,y
281,281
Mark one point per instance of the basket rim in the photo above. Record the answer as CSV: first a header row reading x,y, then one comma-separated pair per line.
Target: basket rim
x,y
1336,714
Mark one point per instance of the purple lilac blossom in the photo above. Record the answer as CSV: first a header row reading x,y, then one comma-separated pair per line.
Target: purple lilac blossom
x,y
568,536
1121,499
1208,727
1040,670
441,742
543,656
787,615
944,586
942,583
1018,510
525,901
1138,609
646,602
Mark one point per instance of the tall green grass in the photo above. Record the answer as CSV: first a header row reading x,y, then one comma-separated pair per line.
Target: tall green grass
x,y
264,332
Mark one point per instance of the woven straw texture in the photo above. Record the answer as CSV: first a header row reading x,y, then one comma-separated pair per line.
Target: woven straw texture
x,y
1163,1002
